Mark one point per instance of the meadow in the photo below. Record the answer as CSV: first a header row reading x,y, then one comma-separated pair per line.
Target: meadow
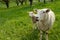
x,y
15,23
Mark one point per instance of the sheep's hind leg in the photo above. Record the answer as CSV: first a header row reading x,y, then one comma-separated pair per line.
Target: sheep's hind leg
x,y
46,35
41,34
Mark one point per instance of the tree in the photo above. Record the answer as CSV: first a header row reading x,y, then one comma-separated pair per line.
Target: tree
x,y
38,0
44,1
17,2
20,1
31,1
6,2
52,0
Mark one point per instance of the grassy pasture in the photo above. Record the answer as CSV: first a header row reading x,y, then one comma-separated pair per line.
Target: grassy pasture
x,y
15,24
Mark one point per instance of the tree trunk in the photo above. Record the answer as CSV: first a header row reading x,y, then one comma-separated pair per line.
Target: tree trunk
x,y
22,2
31,1
7,3
25,1
44,1
38,0
51,0
17,1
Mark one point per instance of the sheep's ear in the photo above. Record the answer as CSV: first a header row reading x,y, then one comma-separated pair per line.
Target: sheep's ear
x,y
30,14
35,11
47,10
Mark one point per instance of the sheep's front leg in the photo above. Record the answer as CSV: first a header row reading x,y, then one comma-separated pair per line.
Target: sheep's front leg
x,y
46,35
41,34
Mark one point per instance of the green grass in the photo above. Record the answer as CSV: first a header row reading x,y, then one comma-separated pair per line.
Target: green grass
x,y
15,23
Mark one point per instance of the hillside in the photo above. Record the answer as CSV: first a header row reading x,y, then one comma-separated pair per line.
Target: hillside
x,y
15,23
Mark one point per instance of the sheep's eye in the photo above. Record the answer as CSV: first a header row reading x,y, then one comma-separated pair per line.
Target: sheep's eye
x,y
43,12
36,17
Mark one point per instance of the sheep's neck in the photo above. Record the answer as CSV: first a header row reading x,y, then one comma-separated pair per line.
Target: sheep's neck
x,y
43,24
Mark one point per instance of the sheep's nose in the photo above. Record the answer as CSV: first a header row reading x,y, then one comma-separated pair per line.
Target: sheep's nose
x,y
37,19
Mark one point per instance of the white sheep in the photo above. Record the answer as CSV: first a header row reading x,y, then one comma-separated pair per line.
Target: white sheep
x,y
44,20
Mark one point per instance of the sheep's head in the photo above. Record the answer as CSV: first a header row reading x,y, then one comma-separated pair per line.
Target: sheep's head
x,y
33,16
39,14
42,13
